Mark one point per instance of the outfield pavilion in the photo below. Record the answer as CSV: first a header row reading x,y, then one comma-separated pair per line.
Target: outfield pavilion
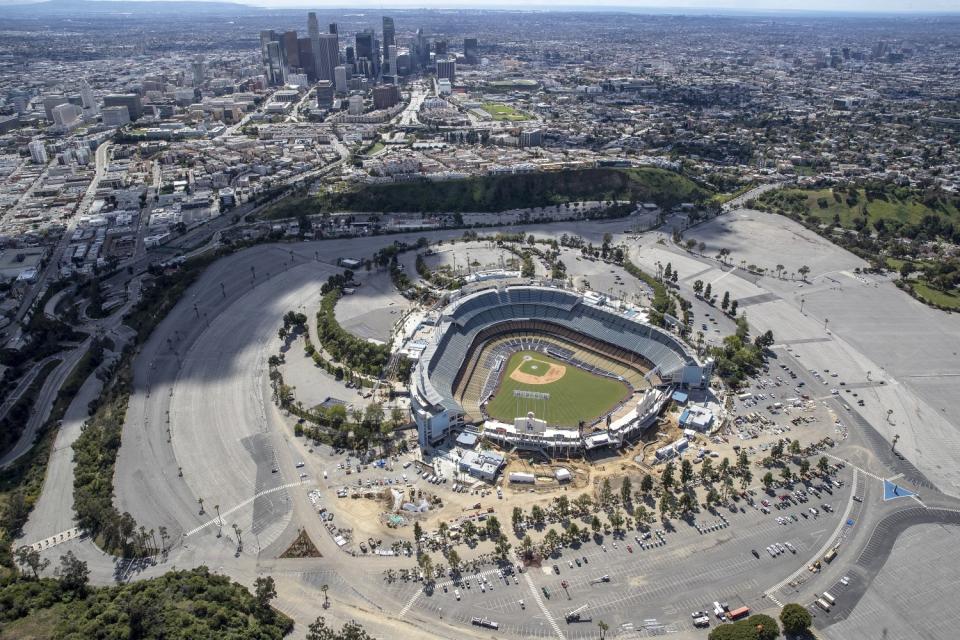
x,y
452,377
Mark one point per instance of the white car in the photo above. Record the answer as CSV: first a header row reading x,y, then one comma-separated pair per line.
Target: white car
x,y
456,593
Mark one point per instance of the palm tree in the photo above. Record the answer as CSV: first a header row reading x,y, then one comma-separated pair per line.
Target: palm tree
x,y
603,628
326,601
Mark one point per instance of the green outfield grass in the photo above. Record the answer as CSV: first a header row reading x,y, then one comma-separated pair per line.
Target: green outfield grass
x,y
501,111
576,396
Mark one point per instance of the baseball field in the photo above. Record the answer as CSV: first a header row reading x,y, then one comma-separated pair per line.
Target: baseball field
x,y
575,394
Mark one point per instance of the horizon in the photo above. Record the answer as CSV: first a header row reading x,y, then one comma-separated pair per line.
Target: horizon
x,y
697,7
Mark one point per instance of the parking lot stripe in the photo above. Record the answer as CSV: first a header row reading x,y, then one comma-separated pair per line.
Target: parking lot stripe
x,y
543,608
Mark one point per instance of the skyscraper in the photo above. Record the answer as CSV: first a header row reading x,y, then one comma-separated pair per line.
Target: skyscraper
x,y
274,58
329,56
447,69
291,50
340,78
86,95
364,51
305,51
38,153
129,100
199,70
470,53
334,29
313,29
389,35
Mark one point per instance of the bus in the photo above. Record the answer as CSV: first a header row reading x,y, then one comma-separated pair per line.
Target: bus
x,y
736,614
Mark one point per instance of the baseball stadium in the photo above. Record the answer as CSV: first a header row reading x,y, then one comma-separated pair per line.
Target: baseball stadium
x,y
540,367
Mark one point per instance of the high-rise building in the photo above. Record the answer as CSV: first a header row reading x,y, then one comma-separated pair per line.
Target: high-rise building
x,y
389,34
471,52
351,55
531,138
67,115
390,63
329,56
313,29
447,69
305,50
422,47
129,100
440,47
369,47
199,71
86,96
385,96
355,105
274,58
340,78
50,102
334,29
115,116
291,49
38,153
324,94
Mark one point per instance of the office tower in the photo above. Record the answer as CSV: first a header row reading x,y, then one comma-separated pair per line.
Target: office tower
x,y
115,116
324,94
67,115
440,47
385,96
329,56
38,153
470,52
274,58
313,29
531,138
290,49
390,63
389,35
364,49
53,101
334,29
129,100
340,78
447,69
422,57
86,96
199,70
355,105
351,56
305,51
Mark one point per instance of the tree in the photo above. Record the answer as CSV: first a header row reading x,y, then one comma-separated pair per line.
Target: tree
x,y
417,532
706,470
493,527
785,474
74,574
725,303
264,590
453,559
563,506
626,490
698,287
30,558
538,515
804,467
823,464
502,548
686,472
667,478
795,619
516,518
707,292
767,480
603,628
646,484
595,524
803,271
733,307
426,566
794,448
319,630
765,626
606,492
526,546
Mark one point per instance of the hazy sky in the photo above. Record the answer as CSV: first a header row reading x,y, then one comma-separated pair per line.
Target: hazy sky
x,y
951,6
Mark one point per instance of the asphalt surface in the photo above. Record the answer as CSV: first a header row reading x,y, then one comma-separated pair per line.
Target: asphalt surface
x,y
202,375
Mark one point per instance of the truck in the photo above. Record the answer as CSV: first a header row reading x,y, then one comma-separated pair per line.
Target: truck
x,y
830,555
829,598
736,614
823,604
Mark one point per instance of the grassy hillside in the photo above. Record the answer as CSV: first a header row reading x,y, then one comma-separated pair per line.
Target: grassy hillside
x,y
859,208
502,192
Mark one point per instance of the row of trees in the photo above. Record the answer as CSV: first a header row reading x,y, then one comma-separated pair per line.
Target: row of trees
x,y
344,347
738,357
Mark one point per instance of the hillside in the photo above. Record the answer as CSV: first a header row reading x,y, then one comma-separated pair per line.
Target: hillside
x,y
515,191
